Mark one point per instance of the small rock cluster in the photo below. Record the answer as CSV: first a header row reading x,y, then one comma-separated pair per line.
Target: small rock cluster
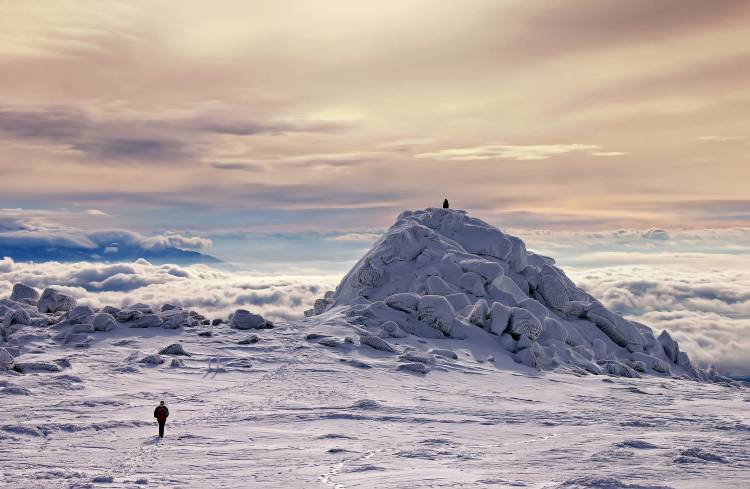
x,y
59,316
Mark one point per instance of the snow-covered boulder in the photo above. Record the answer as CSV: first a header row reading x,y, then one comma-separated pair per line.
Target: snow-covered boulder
x,y
80,314
499,318
436,311
174,349
377,343
18,316
406,302
152,359
243,319
127,315
177,318
249,340
522,322
6,360
103,322
53,301
146,321
24,293
671,348
552,288
414,367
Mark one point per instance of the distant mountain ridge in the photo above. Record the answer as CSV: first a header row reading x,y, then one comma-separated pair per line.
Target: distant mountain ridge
x,y
106,254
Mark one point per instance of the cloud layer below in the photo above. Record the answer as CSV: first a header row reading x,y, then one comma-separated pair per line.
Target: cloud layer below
x,y
212,291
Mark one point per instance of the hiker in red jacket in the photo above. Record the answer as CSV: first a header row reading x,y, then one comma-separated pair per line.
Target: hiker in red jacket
x,y
161,413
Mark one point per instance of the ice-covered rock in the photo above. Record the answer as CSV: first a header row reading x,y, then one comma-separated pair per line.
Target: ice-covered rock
x,y
392,330
127,315
53,301
249,340
415,367
177,318
329,341
499,318
146,321
37,366
103,322
671,348
436,311
18,316
243,319
152,359
80,314
6,360
522,322
445,353
377,343
174,349
24,293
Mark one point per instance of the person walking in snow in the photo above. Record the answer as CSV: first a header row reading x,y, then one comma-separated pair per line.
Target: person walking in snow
x,y
161,413
445,204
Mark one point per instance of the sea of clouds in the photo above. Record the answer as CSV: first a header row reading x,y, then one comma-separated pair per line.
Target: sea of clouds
x,y
213,291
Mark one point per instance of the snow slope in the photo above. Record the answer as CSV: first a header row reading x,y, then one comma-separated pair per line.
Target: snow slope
x,y
439,273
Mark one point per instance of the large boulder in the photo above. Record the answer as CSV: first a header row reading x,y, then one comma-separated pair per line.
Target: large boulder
x,y
670,346
24,293
53,301
243,319
436,311
522,322
499,318
552,288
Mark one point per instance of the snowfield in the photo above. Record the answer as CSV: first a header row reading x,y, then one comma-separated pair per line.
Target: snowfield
x,y
448,357
290,412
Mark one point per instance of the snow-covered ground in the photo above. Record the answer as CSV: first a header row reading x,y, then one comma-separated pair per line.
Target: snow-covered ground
x,y
289,412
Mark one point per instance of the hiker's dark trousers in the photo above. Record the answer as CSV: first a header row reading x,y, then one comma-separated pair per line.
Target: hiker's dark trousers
x,y
161,430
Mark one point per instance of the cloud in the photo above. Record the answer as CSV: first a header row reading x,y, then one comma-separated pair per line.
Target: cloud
x,y
120,136
251,167
722,139
608,153
564,28
707,311
212,291
37,236
314,161
693,283
506,151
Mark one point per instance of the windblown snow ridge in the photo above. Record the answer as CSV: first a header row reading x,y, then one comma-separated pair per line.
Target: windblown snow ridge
x,y
439,273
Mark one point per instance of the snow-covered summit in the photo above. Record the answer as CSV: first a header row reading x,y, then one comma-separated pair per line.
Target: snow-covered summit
x,y
439,273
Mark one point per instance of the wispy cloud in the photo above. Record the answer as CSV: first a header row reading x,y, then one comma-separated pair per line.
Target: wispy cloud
x,y
140,137
504,151
722,139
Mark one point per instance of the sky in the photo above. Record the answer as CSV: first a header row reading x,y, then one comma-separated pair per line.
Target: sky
x,y
284,136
